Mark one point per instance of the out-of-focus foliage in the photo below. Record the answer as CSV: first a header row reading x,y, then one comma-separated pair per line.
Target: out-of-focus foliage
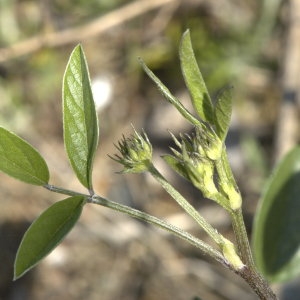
x,y
221,40
35,78
275,238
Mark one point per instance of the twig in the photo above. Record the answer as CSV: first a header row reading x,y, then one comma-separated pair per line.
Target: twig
x,y
96,27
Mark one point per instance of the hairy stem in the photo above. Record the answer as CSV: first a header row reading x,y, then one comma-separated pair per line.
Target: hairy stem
x,y
95,199
212,232
258,284
242,240
205,248
249,273
59,190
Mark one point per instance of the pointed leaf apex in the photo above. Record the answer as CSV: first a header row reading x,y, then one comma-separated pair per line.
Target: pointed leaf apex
x,y
20,160
194,81
79,117
46,232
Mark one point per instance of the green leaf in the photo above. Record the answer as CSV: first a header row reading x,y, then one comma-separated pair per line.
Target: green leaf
x,y
176,165
20,160
194,80
167,94
79,117
276,238
46,232
223,110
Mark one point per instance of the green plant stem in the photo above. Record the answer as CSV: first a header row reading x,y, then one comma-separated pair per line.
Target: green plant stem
x,y
250,275
212,232
63,191
225,168
237,220
242,240
95,199
205,248
250,272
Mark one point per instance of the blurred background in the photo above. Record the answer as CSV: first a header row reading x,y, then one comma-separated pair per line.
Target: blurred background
x,y
251,45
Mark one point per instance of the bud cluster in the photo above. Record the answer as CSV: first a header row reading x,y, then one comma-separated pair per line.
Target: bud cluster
x,y
196,158
199,160
135,153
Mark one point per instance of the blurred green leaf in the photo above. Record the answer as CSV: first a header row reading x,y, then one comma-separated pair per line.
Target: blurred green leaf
x,y
46,232
222,112
194,80
79,117
276,238
167,94
20,160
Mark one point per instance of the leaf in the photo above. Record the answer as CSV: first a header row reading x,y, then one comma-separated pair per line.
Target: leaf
x,y
167,94
20,160
46,232
276,238
176,165
194,80
79,117
222,112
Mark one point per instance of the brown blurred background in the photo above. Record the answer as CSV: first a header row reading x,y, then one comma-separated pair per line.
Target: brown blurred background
x,y
251,45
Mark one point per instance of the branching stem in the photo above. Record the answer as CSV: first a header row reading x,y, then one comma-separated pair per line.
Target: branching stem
x,y
95,199
205,248
211,231
249,273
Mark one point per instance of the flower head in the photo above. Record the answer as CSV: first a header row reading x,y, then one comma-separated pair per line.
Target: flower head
x,y
195,159
135,153
208,141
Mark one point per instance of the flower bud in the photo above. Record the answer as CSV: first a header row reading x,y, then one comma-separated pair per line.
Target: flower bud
x,y
208,140
135,153
230,254
194,164
235,199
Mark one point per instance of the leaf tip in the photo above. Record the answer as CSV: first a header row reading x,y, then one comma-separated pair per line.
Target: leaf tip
x,y
187,32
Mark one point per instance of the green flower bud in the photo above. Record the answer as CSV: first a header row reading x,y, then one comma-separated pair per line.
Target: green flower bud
x,y
230,254
193,164
209,186
235,199
205,170
208,142
135,153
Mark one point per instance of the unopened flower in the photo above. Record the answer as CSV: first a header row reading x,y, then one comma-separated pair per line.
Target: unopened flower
x,y
235,199
229,252
208,141
192,163
135,153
